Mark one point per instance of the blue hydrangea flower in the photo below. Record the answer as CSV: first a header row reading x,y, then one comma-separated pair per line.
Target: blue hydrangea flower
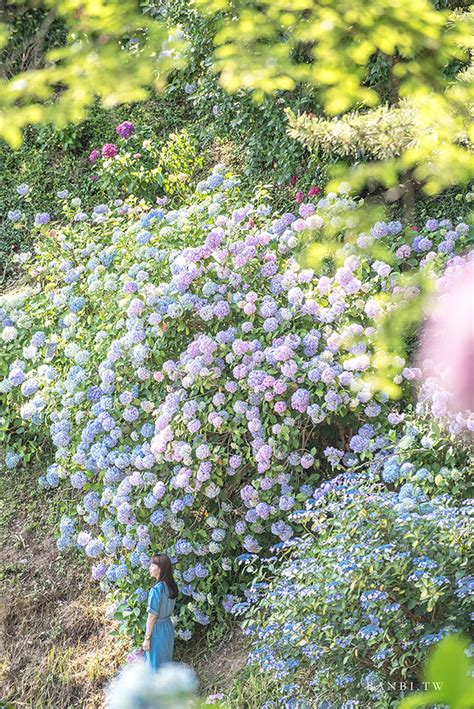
x,y
42,218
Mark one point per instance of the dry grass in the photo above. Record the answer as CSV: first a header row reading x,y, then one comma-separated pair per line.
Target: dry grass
x,y
55,643
216,663
58,652
56,649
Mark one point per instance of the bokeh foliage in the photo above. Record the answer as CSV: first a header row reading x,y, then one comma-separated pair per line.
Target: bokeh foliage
x,y
329,44
448,675
111,51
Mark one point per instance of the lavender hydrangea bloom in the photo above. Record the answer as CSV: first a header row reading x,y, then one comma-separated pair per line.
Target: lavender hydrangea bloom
x,y
42,218
300,400
358,444
94,548
125,129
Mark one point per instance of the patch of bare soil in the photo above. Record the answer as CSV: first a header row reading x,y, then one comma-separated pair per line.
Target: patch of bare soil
x,y
216,665
55,647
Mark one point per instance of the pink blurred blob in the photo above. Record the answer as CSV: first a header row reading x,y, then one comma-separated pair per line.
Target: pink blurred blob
x,y
447,343
135,655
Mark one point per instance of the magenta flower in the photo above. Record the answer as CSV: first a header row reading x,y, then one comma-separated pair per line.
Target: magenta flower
x,y
125,129
94,155
109,150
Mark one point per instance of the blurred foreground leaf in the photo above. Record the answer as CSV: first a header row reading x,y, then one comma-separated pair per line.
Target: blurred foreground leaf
x,y
448,676
112,52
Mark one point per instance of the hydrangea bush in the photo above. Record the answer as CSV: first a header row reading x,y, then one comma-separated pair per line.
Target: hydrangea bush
x,y
138,164
196,382
383,572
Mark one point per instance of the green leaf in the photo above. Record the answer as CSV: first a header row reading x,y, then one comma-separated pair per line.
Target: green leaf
x,y
447,677
450,663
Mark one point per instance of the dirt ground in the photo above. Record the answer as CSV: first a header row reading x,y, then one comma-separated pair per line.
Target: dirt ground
x,y
55,639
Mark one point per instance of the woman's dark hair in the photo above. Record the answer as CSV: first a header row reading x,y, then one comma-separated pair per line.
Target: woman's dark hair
x,y
165,566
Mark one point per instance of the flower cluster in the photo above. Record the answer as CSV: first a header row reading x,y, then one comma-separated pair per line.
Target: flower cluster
x,y
360,600
144,166
196,382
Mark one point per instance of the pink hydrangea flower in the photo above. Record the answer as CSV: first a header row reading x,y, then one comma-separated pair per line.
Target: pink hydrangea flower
x,y
109,150
447,343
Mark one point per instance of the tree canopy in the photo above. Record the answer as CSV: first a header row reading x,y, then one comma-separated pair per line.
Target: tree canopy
x,y
110,52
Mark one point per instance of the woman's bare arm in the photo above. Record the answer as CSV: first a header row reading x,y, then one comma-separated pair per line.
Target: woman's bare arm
x,y
150,624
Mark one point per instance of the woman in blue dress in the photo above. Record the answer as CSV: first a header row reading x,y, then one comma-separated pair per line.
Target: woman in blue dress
x,y
159,633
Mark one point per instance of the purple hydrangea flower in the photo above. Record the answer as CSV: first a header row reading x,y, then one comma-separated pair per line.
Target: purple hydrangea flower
x,y
42,218
125,130
300,400
23,189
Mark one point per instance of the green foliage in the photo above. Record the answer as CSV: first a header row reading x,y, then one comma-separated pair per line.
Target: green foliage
x,y
251,688
148,168
249,136
51,160
111,51
257,131
252,138
259,51
447,676
33,30
384,132
381,574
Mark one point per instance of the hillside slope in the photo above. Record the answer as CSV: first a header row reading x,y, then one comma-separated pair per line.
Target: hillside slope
x,y
58,650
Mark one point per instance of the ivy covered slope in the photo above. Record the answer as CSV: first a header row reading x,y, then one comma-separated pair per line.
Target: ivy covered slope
x,y
196,383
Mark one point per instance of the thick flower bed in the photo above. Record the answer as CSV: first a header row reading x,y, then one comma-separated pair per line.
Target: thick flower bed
x,y
197,383
352,608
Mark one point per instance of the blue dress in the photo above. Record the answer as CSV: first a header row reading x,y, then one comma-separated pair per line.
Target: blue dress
x,y
162,638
